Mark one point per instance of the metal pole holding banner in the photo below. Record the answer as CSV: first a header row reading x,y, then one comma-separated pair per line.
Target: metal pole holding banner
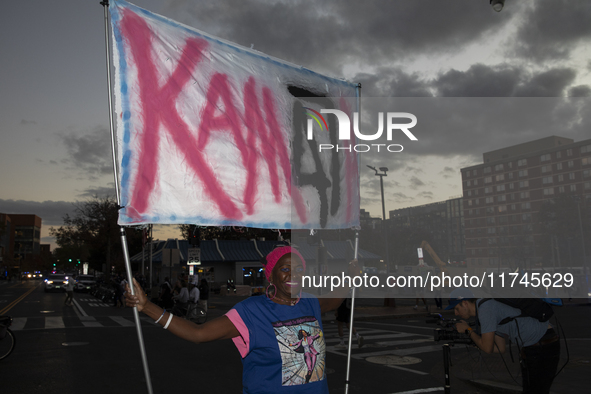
x,y
151,278
351,318
136,315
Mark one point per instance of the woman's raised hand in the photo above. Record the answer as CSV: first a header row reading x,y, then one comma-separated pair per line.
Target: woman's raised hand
x,y
138,300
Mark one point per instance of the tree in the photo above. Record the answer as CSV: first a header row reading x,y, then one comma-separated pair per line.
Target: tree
x,y
92,235
230,233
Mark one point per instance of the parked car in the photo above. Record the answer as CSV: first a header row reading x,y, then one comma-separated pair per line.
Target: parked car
x,y
85,283
56,282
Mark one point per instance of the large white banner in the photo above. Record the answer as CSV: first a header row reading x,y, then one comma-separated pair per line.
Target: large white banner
x,y
213,133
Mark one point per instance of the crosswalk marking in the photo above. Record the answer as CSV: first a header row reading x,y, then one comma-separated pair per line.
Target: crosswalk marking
x,y
392,335
399,343
54,322
90,321
399,352
360,331
406,342
93,302
379,340
123,321
18,323
148,320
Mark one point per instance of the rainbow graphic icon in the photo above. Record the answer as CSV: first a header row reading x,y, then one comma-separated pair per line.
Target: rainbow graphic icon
x,y
315,115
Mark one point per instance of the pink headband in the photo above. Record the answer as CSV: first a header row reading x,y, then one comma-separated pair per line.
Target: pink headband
x,y
276,254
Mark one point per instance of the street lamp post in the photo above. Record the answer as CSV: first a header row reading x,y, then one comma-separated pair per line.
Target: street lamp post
x,y
383,173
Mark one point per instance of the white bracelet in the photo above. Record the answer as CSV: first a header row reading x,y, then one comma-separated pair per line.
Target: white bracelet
x,y
168,322
163,312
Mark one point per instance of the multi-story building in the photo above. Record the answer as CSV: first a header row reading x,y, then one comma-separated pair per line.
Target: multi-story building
x,y
19,242
506,198
27,234
368,222
5,235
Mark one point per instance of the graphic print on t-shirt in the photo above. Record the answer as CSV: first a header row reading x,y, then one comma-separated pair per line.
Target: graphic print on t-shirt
x,y
302,348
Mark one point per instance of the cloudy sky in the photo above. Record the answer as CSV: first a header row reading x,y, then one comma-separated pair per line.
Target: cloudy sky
x,y
477,80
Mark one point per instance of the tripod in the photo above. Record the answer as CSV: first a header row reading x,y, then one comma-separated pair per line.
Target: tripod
x,y
446,365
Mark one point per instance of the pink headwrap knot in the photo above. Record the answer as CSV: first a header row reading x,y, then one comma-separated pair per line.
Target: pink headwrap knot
x,y
276,254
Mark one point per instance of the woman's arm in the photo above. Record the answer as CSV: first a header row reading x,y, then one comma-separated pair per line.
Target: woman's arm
x,y
220,328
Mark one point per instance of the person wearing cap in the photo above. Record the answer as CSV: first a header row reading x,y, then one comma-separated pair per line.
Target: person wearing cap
x,y
538,342
279,336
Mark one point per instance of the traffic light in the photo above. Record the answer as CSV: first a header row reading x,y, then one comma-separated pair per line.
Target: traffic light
x,y
194,235
70,260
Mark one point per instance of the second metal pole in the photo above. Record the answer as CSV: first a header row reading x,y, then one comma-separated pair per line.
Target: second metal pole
x,y
351,319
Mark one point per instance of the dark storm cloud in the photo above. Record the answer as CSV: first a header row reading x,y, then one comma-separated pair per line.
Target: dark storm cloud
x,y
52,212
464,128
415,182
414,170
101,192
580,91
479,81
328,35
388,82
89,153
427,195
398,197
551,29
448,172
503,81
551,83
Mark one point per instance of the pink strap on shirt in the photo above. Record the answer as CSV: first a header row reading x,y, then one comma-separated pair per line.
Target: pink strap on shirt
x,y
243,341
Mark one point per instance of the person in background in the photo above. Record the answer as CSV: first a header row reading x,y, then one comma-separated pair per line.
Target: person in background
x,y
417,303
203,294
155,293
181,299
166,294
438,302
538,342
70,291
194,293
343,316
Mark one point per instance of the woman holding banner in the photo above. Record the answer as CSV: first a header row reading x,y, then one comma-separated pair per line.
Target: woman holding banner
x,y
268,331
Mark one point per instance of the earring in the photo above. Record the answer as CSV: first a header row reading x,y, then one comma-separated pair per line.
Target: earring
x,y
274,291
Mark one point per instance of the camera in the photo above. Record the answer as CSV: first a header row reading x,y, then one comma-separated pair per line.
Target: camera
x,y
448,331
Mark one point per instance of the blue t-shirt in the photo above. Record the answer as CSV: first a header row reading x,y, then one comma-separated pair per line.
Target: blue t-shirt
x,y
282,347
524,331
